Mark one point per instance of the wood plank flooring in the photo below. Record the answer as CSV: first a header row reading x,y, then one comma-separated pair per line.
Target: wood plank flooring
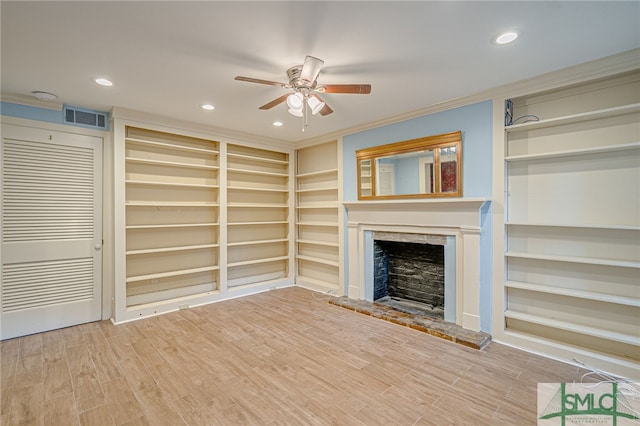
x,y
285,357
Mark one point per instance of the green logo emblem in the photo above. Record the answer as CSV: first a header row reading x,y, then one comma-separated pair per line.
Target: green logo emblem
x,y
588,403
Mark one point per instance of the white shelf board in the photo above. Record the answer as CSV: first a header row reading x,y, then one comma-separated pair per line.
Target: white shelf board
x,y
170,163
255,261
256,172
271,222
170,249
575,118
334,188
319,173
318,260
171,273
580,226
252,242
575,152
172,225
255,158
318,224
246,188
327,205
171,146
580,294
254,205
575,328
318,243
176,184
574,259
168,204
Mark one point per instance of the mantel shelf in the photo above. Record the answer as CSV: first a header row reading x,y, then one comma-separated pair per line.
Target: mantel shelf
x,y
418,204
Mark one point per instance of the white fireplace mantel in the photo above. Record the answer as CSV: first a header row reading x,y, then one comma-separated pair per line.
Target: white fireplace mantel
x,y
460,218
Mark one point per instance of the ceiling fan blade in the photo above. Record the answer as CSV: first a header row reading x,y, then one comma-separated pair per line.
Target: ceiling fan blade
x,y
358,89
326,109
311,69
275,102
257,80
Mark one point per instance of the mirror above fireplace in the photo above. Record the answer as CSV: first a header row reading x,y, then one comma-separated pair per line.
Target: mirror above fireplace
x,y
417,168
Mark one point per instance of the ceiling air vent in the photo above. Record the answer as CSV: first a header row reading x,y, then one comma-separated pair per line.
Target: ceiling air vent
x,y
86,118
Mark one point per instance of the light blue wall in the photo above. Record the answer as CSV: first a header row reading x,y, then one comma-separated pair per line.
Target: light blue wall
x,y
31,113
45,114
475,122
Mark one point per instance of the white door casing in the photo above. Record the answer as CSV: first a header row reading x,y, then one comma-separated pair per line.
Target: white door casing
x,y
51,229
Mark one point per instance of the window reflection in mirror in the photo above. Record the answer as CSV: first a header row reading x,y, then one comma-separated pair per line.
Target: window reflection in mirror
x,y
425,167
448,169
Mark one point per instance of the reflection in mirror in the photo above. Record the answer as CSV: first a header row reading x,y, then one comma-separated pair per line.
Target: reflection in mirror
x,y
425,167
448,167
365,178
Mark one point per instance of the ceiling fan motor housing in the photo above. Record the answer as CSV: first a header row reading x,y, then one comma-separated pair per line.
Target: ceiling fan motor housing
x,y
296,82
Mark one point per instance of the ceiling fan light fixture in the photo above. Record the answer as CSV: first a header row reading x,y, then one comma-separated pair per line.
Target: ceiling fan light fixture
x,y
315,105
295,101
296,112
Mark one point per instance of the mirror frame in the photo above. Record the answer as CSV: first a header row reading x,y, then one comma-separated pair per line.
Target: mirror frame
x,y
435,142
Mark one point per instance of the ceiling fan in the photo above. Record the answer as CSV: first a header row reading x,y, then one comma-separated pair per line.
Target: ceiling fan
x,y
304,98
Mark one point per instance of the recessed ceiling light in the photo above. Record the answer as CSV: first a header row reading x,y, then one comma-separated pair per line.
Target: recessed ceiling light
x,y
44,96
506,37
208,107
278,123
103,82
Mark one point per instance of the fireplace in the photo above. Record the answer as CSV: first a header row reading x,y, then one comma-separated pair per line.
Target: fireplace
x,y
454,225
409,272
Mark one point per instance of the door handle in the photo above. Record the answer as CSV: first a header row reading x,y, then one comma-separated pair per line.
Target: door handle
x,y
97,247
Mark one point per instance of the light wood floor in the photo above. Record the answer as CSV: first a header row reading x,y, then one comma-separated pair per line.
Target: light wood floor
x,y
281,357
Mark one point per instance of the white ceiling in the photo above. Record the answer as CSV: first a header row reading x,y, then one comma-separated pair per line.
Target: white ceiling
x,y
168,58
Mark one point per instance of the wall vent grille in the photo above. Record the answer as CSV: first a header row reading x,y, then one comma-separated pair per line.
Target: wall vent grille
x,y
86,118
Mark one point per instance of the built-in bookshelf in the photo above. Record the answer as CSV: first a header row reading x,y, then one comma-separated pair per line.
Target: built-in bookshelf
x,y
572,277
318,218
257,215
172,216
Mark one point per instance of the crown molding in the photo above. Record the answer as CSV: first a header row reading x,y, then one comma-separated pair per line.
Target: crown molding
x,y
599,68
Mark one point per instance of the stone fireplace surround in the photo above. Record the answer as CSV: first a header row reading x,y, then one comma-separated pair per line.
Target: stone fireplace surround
x,y
457,220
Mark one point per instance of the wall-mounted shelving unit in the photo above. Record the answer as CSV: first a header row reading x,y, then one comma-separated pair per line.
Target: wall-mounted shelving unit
x,y
318,218
573,221
257,215
171,223
197,220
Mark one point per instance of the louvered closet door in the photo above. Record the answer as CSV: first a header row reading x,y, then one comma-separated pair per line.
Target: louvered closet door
x,y
51,230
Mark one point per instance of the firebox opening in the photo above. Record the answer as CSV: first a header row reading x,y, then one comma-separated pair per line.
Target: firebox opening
x,y
410,277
